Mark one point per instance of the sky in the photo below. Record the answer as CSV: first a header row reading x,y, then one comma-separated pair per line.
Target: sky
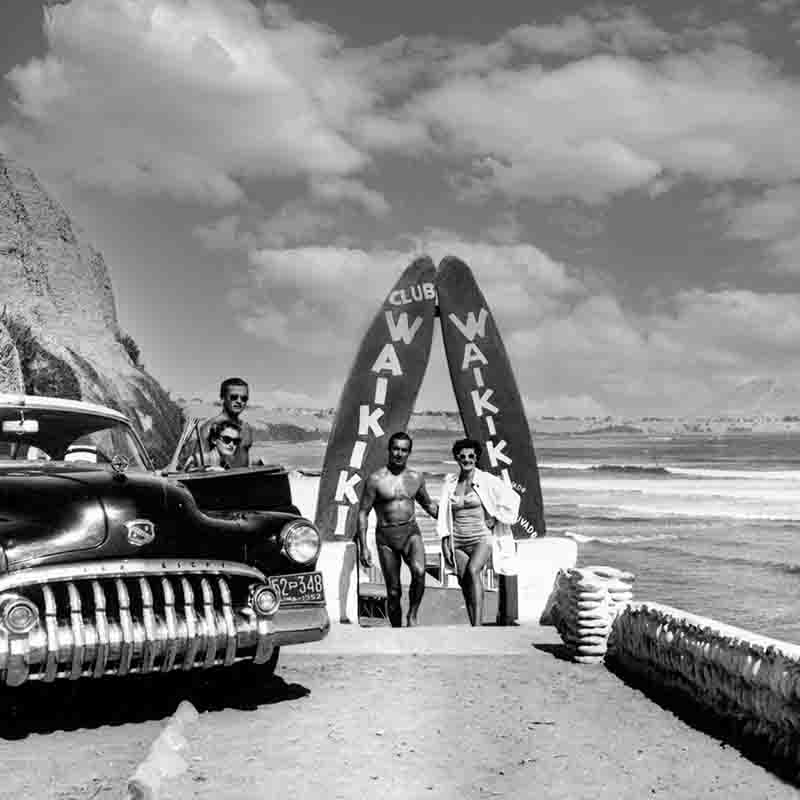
x,y
623,180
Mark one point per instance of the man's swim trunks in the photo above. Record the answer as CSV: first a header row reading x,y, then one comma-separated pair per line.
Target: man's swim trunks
x,y
397,537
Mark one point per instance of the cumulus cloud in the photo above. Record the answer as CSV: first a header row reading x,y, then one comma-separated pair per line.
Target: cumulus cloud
x,y
195,98
671,358
294,292
518,276
776,6
600,125
334,190
315,299
206,101
317,271
185,97
773,218
744,328
626,30
566,335
294,223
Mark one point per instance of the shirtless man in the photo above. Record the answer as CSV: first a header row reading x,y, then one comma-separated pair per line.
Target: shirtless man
x,y
391,491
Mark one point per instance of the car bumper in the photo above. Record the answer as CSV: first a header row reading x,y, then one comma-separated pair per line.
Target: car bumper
x,y
66,652
299,625
145,618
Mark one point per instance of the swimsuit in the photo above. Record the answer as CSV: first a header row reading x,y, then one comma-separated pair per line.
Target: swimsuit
x,y
398,536
469,522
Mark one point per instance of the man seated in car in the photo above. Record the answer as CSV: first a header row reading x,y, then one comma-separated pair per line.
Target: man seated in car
x,y
234,393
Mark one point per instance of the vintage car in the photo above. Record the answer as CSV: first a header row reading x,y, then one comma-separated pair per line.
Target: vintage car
x,y
109,568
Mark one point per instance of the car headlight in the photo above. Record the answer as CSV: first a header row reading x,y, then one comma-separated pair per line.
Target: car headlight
x,y
300,542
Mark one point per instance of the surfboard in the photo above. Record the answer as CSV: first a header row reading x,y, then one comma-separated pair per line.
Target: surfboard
x,y
378,397
486,392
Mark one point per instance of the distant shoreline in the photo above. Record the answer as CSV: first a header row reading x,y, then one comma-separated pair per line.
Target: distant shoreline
x,y
297,425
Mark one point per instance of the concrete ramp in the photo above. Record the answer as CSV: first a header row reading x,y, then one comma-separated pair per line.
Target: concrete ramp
x,y
432,640
440,606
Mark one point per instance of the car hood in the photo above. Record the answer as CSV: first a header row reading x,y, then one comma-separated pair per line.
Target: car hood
x,y
51,510
56,513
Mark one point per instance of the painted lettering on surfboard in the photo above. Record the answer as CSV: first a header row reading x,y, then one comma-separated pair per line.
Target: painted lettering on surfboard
x,y
486,392
378,397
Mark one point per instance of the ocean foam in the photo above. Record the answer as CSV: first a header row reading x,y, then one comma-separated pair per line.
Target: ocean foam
x,y
660,469
615,540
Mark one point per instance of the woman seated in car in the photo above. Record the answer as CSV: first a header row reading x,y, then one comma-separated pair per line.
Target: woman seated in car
x,y
223,442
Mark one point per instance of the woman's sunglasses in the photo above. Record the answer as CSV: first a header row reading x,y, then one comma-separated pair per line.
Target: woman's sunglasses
x,y
467,457
243,397
230,439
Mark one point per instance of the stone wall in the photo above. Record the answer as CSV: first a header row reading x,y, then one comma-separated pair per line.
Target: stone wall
x,y
730,681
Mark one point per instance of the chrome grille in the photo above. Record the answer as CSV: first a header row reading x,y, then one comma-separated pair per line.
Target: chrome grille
x,y
134,617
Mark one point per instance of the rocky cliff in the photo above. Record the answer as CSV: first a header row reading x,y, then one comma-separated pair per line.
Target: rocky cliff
x,y
59,333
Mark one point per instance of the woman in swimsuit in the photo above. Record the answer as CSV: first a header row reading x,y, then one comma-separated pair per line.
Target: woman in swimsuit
x,y
474,504
469,543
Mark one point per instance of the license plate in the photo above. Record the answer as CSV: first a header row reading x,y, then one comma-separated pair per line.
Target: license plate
x,y
306,587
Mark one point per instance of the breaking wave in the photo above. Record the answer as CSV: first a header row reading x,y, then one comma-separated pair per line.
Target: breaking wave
x,y
581,538
683,472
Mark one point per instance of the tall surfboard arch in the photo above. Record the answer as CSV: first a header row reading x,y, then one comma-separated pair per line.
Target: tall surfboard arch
x,y
486,392
378,397
379,394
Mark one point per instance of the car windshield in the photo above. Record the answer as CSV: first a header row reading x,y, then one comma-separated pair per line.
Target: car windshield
x,y
190,454
30,434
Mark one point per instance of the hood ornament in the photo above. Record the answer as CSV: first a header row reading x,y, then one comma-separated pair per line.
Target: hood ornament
x,y
119,464
140,531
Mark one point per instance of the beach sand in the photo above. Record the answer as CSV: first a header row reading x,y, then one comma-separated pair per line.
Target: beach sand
x,y
436,711
453,712
383,714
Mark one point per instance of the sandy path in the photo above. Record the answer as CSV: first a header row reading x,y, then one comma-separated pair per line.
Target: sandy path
x,y
392,717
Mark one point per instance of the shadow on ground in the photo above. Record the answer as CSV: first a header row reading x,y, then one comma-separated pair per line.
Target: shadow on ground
x,y
66,706
559,651
730,730
734,730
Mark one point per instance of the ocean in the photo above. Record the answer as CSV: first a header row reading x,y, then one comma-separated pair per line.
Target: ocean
x,y
707,523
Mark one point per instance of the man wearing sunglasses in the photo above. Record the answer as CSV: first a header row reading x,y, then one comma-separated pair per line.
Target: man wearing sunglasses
x,y
234,393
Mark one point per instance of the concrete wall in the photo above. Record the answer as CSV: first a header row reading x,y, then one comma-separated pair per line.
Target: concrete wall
x,y
748,684
540,561
337,562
